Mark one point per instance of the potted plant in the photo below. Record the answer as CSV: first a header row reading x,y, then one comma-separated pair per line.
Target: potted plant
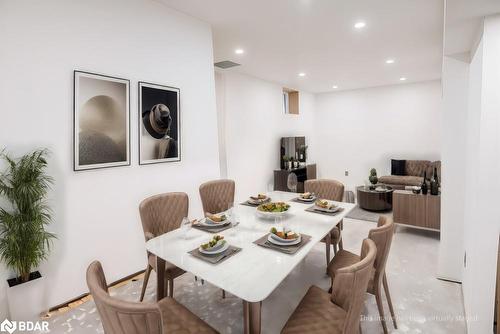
x,y
24,242
288,163
373,178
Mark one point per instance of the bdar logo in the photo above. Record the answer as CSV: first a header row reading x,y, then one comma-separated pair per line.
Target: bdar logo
x,y
8,326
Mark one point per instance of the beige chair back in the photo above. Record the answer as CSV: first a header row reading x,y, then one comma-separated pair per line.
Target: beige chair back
x,y
118,316
325,189
350,284
382,237
217,196
163,213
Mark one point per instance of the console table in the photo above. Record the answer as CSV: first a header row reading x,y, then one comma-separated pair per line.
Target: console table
x,y
423,211
303,173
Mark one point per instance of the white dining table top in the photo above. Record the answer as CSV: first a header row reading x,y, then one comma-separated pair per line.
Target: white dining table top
x,y
254,272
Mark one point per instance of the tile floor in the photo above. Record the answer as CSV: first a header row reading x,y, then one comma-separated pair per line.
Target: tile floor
x,y
423,304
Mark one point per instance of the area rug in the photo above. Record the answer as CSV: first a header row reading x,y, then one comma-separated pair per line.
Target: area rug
x,y
361,214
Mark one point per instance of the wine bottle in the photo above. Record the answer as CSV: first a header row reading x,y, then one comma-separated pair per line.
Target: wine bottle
x,y
434,184
424,184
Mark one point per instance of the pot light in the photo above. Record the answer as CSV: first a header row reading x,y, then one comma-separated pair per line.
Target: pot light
x,y
302,74
390,61
360,25
335,86
239,51
402,79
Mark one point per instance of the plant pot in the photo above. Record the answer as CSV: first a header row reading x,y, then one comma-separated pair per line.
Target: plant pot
x,y
27,300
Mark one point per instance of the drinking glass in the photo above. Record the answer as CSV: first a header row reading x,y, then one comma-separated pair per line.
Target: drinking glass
x,y
186,226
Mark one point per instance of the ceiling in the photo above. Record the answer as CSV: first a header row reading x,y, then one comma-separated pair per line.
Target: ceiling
x,y
463,23
282,38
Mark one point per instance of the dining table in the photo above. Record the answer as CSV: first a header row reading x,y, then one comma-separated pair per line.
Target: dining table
x,y
254,272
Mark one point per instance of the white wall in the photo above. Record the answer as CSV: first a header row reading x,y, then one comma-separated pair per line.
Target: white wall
x,y
365,128
254,123
482,225
96,212
455,105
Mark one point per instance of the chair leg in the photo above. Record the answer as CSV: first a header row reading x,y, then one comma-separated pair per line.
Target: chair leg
x,y
196,278
341,243
335,249
145,281
328,243
171,287
380,306
389,301
223,294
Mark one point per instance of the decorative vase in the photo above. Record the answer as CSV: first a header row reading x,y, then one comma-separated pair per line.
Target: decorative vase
x,y
288,165
423,187
27,300
434,183
373,176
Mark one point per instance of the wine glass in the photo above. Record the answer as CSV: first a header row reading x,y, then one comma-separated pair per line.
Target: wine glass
x,y
186,226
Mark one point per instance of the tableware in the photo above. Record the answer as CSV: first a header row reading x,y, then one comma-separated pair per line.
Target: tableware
x,y
312,197
185,226
206,222
272,238
221,246
272,210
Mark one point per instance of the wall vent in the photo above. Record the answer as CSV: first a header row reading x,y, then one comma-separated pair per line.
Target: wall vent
x,y
226,64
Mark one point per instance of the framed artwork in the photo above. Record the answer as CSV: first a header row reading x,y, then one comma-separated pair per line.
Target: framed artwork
x,y
101,126
159,124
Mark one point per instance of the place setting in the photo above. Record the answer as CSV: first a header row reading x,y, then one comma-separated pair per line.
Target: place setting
x,y
214,251
255,201
214,223
325,207
283,240
305,198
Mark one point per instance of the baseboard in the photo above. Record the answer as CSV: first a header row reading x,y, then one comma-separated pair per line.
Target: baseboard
x,y
82,296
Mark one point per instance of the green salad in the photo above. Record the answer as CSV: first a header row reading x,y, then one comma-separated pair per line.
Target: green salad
x,y
274,207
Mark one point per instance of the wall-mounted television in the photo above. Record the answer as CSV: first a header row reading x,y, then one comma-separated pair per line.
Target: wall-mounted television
x,y
292,147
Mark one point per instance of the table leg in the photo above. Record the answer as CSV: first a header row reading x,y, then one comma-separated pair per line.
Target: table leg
x,y
252,317
160,278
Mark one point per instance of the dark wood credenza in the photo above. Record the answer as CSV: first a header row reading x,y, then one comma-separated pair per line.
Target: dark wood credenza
x,y
303,173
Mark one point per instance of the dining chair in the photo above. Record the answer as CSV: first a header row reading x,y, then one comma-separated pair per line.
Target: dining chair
x,y
334,191
217,196
340,311
124,317
382,236
161,214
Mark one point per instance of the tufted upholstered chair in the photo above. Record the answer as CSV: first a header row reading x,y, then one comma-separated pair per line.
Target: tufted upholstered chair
x,y
123,317
161,214
217,195
334,191
382,236
339,312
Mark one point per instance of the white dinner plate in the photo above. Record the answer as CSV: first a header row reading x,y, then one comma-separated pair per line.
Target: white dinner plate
x,y
307,200
215,250
279,243
210,223
332,210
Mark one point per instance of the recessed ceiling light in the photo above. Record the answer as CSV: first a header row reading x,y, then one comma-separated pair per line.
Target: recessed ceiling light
x,y
360,25
239,51
390,61
335,86
302,74
402,79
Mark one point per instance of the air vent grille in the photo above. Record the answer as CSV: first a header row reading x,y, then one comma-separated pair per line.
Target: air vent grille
x,y
226,64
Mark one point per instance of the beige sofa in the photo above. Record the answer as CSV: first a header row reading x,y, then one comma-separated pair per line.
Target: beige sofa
x,y
414,174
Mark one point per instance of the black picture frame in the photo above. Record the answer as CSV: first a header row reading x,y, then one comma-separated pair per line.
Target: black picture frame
x,y
77,166
145,88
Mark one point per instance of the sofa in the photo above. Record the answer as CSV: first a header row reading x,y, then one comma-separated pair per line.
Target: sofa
x,y
412,174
